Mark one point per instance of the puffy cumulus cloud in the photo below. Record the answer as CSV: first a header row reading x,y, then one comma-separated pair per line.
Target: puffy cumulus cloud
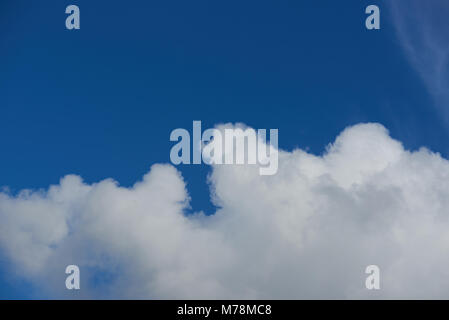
x,y
132,242
307,232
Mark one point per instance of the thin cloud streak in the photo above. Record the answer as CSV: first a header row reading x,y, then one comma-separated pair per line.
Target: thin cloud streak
x,y
422,28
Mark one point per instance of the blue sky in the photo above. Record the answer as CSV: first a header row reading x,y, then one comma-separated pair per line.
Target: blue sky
x,y
101,101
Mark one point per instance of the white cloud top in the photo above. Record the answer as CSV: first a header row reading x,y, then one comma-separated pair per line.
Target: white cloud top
x,y
307,232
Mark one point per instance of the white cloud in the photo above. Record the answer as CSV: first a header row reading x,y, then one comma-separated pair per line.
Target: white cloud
x,y
307,232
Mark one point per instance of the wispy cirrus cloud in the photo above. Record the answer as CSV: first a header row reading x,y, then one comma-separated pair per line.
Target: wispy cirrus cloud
x,y
423,31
